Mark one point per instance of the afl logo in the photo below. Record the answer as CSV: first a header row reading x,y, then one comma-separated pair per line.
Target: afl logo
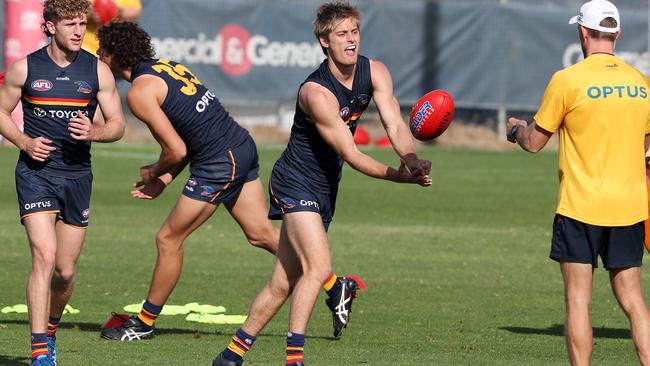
x,y
85,213
42,85
39,112
344,113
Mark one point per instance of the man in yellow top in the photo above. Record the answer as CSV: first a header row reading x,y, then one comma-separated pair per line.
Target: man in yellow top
x,y
127,10
600,107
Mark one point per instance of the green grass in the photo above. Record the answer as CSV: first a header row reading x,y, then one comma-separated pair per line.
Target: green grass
x,y
458,273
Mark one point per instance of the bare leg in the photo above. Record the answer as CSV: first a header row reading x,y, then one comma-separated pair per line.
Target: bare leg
x,y
42,240
577,326
270,299
186,216
70,240
626,285
309,240
249,210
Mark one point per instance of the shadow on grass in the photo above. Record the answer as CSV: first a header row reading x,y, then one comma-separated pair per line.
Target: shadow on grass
x,y
14,360
93,327
558,330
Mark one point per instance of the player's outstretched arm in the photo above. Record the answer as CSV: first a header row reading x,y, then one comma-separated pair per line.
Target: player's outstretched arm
x,y
81,127
145,98
323,107
38,148
391,118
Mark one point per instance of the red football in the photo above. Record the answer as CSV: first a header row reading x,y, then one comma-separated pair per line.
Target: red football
x,y
431,115
106,10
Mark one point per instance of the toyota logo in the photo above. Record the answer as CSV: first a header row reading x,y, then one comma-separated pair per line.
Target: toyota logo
x,y
39,112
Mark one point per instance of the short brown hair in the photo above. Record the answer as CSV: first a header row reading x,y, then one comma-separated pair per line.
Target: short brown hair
x,y
55,10
330,14
608,22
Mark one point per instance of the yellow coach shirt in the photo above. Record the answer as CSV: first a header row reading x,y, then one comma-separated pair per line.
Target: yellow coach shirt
x,y
90,42
601,107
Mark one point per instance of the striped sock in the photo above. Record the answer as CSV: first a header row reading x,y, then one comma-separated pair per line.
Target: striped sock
x,y
295,348
240,344
332,286
52,324
39,345
149,313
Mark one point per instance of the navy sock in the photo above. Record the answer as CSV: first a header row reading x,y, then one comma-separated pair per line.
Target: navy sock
x,y
149,313
335,289
295,348
52,324
240,344
39,345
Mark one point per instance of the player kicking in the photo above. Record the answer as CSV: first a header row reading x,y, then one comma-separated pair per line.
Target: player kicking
x,y
191,127
304,181
60,86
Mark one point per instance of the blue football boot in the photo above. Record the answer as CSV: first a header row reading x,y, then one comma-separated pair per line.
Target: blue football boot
x,y
51,349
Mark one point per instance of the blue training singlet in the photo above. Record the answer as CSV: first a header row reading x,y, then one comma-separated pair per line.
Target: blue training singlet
x,y
51,96
307,153
194,111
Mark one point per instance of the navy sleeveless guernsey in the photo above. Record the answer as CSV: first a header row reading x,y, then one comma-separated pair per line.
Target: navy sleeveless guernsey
x,y
307,153
194,111
51,96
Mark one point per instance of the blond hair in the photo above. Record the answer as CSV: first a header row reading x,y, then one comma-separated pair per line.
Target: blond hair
x,y
330,14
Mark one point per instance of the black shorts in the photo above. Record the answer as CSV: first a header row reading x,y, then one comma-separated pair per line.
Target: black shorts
x,y
290,192
222,179
40,192
618,246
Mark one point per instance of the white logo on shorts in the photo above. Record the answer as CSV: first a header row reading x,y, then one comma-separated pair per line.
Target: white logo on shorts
x,y
33,205
309,203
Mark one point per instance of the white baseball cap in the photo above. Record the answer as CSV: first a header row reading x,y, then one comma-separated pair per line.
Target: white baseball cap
x,y
593,12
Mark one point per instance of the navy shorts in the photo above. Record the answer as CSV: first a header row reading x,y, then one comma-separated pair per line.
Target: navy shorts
x,y
290,192
222,179
617,246
40,192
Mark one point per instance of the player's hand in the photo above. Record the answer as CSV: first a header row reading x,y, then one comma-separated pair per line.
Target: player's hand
x,y
512,122
405,175
39,148
148,191
413,163
148,174
81,128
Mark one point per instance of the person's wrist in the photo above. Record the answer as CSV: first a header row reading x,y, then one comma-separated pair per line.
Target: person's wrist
x,y
512,137
22,142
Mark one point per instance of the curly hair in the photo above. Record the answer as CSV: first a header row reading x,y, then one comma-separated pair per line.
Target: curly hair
x,y
330,14
55,10
127,42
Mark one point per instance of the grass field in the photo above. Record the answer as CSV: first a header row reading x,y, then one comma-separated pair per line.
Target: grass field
x,y
458,273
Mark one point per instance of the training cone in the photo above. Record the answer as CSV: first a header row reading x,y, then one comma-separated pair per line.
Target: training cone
x,y
383,142
115,320
361,136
